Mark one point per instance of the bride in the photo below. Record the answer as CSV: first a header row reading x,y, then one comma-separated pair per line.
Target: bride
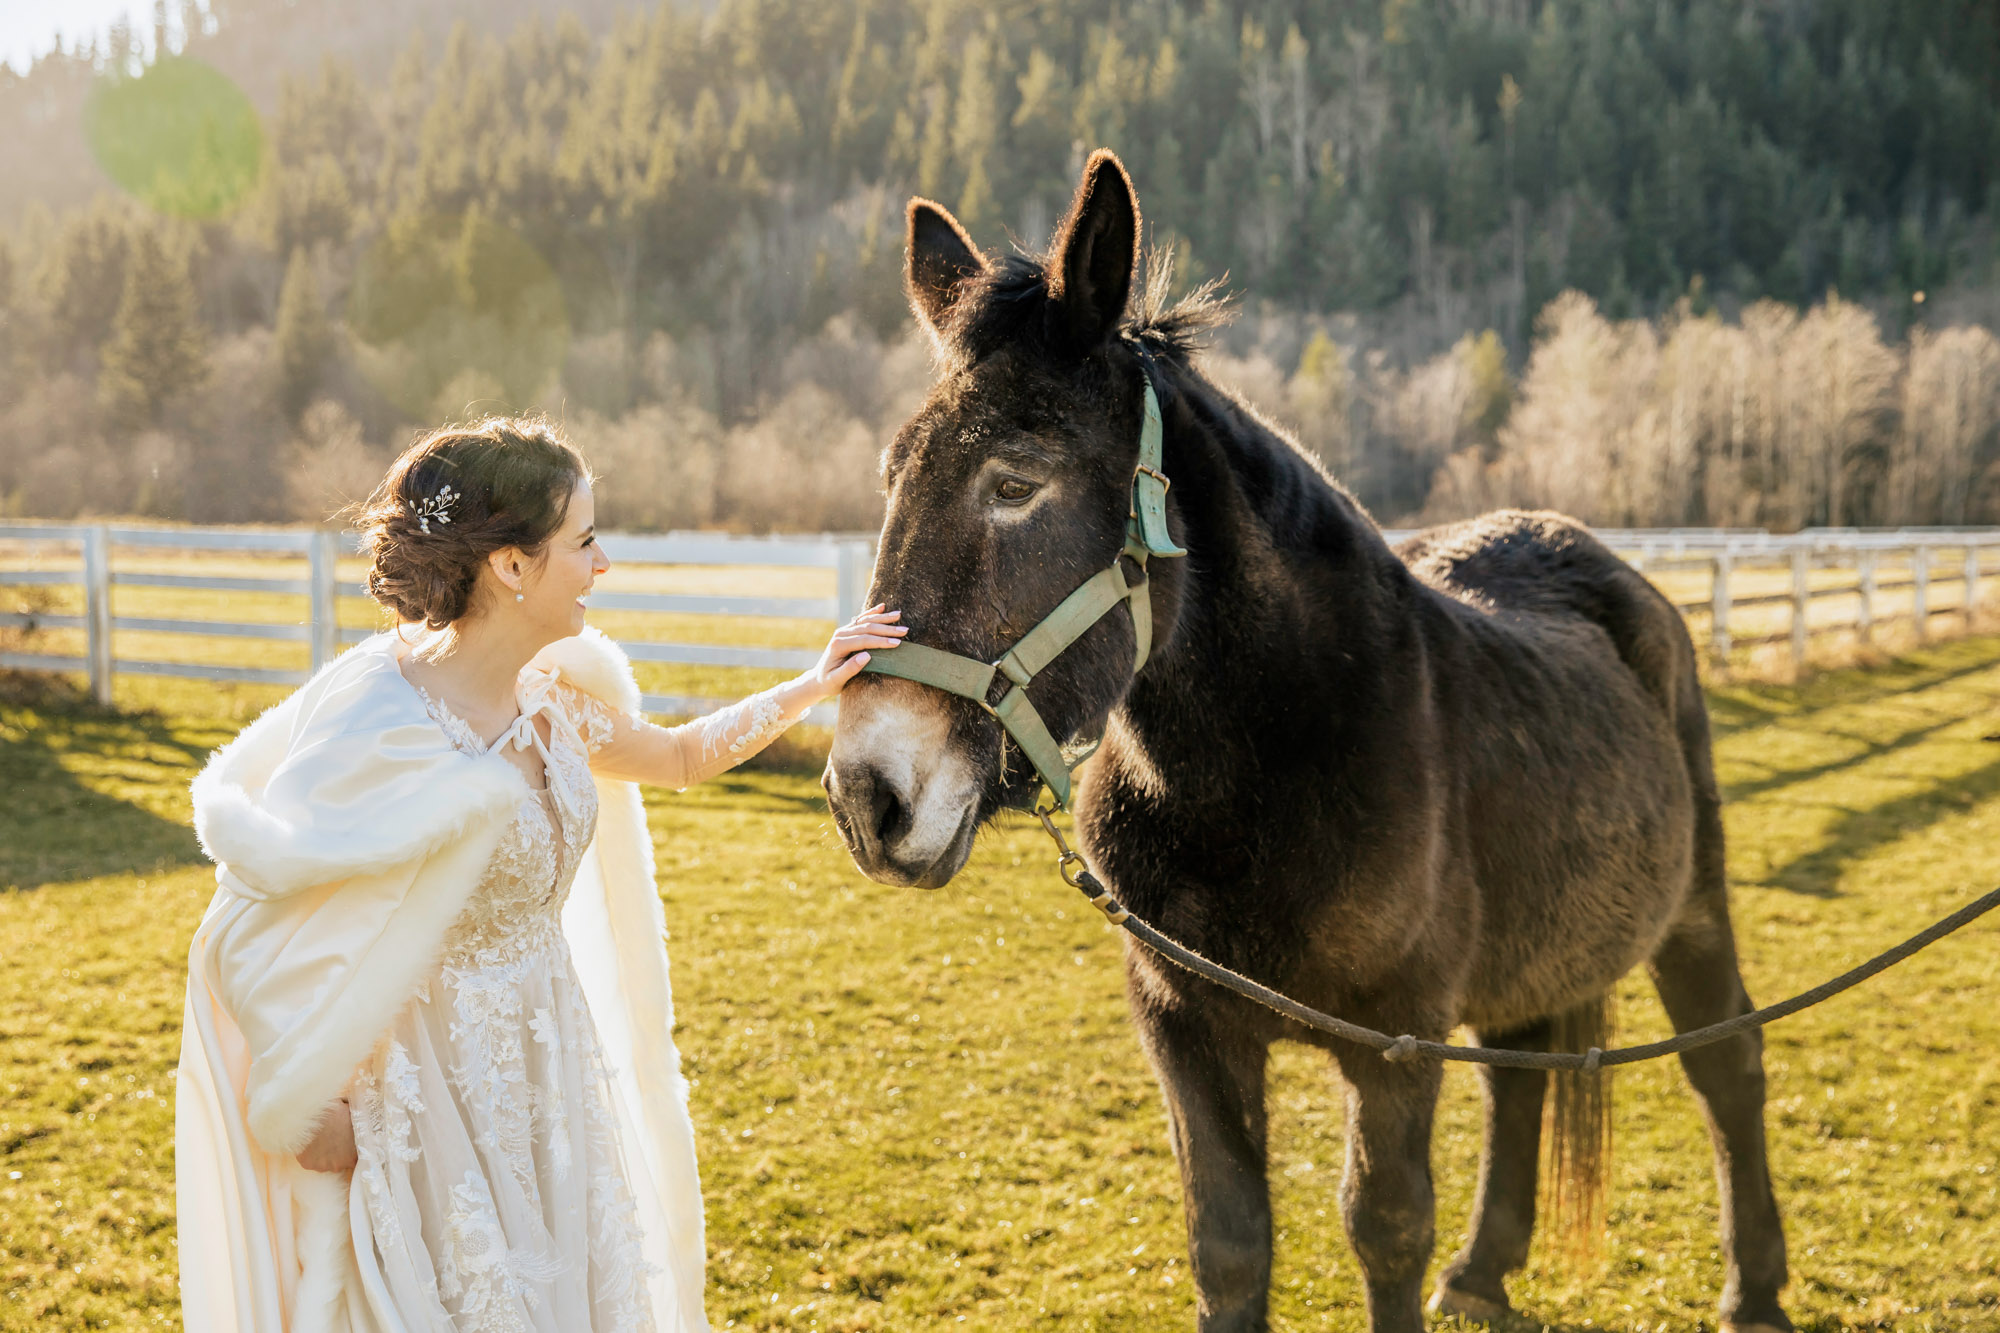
x,y
427,1078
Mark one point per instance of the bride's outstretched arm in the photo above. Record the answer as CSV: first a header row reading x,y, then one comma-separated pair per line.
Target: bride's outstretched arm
x,y
637,751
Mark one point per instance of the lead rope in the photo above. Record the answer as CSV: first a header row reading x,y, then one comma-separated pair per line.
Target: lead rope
x,y
1076,873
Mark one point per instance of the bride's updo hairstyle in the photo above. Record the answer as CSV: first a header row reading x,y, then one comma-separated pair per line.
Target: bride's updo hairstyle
x,y
455,497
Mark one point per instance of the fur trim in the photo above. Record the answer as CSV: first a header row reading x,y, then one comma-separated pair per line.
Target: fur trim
x,y
594,664
326,1252
272,858
273,854
247,759
293,1087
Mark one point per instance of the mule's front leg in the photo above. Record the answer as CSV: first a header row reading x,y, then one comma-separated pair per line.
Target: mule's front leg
x,y
1212,1073
1386,1196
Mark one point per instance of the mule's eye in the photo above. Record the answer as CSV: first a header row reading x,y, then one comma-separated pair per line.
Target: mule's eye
x,y
1013,490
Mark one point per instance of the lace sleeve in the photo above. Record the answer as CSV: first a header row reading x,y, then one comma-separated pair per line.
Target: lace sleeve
x,y
695,751
725,738
594,720
740,730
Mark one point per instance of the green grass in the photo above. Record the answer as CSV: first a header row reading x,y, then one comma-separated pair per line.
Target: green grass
x,y
928,1111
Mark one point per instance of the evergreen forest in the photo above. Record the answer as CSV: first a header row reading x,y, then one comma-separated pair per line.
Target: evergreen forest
x,y
1671,262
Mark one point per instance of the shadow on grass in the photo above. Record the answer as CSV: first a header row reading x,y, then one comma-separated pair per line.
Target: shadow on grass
x,y
1735,708
54,825
1520,1321
1859,832
1870,750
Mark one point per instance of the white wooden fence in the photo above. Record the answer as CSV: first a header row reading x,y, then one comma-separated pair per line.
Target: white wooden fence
x,y
1883,561
849,557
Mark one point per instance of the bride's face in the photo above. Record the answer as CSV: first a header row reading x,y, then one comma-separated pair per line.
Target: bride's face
x,y
552,590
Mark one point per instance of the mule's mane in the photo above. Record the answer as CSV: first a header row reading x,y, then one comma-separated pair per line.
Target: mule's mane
x,y
1010,306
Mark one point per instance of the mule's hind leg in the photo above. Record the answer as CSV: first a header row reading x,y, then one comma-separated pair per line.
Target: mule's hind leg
x,y
1212,1072
1697,976
1503,1214
1386,1196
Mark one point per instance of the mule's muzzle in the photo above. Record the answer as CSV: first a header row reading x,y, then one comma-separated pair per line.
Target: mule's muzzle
x,y
878,823
905,796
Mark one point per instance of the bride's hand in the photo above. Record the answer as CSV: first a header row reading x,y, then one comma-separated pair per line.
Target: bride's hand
x,y
332,1149
847,652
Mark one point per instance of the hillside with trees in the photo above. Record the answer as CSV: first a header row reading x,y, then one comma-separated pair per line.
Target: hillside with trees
x,y
1699,261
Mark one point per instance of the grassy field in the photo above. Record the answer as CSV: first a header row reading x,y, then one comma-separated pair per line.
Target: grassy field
x,y
928,1111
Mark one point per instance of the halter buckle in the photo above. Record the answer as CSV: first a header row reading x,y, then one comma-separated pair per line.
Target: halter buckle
x,y
1156,475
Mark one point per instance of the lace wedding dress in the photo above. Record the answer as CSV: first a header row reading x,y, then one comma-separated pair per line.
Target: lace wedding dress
x,y
489,1166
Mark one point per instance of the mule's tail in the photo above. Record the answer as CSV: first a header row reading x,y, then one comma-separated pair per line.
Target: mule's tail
x,y
1576,1135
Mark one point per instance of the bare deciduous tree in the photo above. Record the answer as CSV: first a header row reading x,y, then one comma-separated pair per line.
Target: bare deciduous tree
x,y
1951,413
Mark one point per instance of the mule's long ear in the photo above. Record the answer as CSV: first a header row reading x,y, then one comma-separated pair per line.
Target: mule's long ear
x,y
1090,269
941,260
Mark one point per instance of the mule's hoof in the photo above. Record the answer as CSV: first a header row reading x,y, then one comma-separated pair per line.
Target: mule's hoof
x,y
1451,1301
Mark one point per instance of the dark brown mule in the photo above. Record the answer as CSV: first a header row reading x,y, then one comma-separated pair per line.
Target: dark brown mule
x,y
1463,782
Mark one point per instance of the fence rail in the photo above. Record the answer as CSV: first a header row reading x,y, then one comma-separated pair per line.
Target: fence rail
x,y
848,557
1916,561
1916,557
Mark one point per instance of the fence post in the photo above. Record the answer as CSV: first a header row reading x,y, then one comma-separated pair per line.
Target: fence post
x,y
1801,603
1971,584
97,609
1864,624
1718,610
322,556
1920,590
851,579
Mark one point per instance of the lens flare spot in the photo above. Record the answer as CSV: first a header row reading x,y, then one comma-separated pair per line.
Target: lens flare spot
x,y
180,137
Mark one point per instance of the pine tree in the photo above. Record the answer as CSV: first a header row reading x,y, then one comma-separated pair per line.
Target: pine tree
x,y
305,337
157,348
81,280
11,330
1040,132
934,157
305,205
863,108
976,117
1587,151
1167,194
1115,87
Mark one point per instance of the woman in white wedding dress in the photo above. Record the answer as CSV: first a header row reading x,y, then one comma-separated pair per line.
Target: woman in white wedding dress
x,y
428,1079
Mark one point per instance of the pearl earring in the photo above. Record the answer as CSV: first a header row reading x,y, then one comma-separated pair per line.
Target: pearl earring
x,y
520,597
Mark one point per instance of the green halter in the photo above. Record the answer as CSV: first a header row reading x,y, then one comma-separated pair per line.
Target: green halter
x,y
969,678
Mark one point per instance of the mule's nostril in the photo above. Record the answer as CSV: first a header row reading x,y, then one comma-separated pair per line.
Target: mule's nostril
x,y
887,815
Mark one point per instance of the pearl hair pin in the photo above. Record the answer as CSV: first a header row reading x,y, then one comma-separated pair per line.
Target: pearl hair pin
x,y
436,507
